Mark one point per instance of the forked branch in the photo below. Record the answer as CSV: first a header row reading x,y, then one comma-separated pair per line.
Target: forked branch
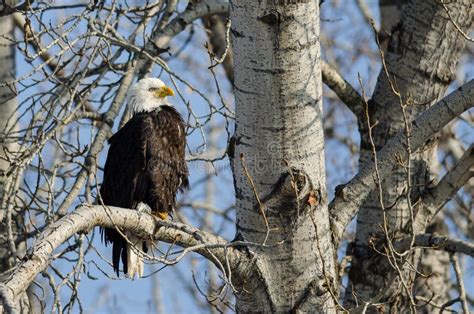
x,y
350,197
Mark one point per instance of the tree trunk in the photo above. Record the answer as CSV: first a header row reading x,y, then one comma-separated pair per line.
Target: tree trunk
x,y
11,221
8,104
433,282
279,158
421,57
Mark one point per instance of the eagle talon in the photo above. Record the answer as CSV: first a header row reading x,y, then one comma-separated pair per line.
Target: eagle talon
x,y
162,216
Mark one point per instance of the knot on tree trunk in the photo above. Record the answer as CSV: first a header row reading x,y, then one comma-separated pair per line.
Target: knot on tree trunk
x,y
291,194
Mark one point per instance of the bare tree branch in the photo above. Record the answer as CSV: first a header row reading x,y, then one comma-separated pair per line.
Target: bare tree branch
x,y
434,198
460,283
32,38
83,219
343,89
8,8
351,196
436,242
365,10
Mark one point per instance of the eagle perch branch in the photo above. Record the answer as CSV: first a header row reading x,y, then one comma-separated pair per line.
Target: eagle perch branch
x,y
84,218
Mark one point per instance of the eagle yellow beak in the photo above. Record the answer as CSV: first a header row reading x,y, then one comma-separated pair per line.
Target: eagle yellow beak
x,y
163,92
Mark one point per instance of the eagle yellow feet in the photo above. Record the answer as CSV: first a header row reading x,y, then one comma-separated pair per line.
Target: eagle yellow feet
x,y
162,216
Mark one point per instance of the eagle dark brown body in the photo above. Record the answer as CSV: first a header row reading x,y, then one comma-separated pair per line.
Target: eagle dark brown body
x,y
145,163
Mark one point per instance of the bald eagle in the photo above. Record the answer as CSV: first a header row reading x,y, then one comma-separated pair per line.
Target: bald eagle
x,y
145,167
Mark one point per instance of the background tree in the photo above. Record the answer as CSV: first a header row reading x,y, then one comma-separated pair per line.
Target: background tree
x,y
12,245
292,249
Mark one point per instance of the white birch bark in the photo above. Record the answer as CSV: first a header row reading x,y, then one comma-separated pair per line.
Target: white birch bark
x,y
436,286
278,92
84,218
421,58
8,105
11,224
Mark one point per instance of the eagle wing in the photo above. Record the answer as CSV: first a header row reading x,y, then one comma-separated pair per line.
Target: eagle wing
x,y
124,178
167,171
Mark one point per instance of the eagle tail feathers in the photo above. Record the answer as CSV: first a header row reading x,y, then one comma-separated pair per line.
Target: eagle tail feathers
x,y
135,263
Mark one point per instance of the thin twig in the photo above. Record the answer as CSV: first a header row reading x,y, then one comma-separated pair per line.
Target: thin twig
x,y
460,283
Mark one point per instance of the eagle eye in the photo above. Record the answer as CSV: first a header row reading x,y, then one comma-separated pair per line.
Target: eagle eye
x,y
152,89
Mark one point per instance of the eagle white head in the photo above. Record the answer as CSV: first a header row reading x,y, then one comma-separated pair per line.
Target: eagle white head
x,y
149,94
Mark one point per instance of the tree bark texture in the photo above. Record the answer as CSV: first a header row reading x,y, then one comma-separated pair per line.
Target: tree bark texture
x,y
434,284
11,225
390,13
84,218
279,157
421,58
8,105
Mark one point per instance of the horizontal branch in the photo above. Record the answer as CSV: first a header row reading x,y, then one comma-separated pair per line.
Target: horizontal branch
x,y
437,243
177,25
352,195
202,9
343,89
84,218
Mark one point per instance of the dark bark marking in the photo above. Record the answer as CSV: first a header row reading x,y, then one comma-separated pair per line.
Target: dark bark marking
x,y
270,18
